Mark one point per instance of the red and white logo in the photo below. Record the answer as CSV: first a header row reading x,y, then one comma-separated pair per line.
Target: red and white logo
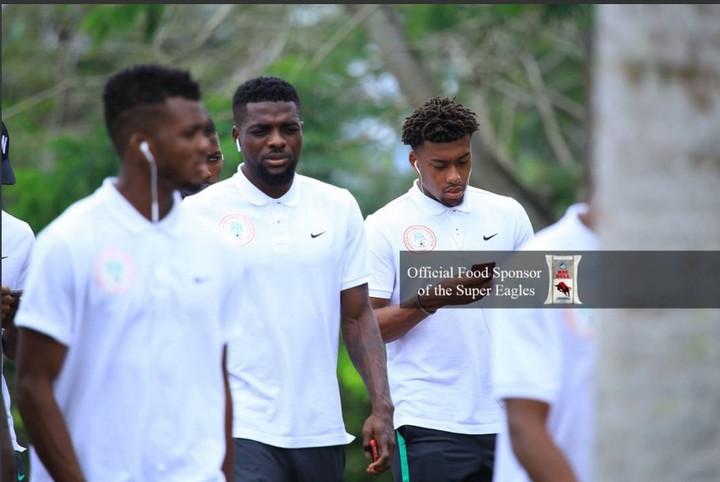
x,y
419,238
238,227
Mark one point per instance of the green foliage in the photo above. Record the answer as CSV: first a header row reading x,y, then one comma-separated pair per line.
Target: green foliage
x,y
57,57
105,20
38,197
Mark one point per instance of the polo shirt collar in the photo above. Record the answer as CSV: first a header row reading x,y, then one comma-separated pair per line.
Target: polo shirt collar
x,y
129,217
433,207
259,198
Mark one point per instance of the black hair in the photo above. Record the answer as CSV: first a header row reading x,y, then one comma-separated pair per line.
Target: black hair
x,y
139,85
440,119
210,128
263,89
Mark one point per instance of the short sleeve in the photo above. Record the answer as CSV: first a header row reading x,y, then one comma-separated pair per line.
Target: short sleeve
x,y
526,354
48,300
355,267
382,260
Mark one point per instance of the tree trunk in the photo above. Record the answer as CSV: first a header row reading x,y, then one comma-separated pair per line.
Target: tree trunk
x,y
657,166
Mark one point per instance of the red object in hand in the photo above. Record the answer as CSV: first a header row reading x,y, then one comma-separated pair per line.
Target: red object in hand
x,y
373,447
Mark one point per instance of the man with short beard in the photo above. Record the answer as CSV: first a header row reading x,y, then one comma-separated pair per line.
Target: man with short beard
x,y
309,272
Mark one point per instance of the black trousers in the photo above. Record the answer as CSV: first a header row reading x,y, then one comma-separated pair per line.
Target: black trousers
x,y
427,455
258,462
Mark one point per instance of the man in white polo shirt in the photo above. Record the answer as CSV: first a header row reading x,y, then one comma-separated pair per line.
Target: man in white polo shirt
x,y
446,416
124,319
309,271
17,242
543,370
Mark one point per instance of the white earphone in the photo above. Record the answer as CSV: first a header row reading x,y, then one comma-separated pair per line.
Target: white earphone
x,y
145,148
419,175
154,209
237,143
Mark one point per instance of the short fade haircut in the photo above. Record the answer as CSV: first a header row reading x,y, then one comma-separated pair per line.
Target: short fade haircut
x,y
440,119
142,85
263,89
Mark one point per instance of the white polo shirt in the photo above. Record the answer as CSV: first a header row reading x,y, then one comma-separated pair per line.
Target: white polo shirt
x,y
439,371
549,355
17,242
304,248
143,310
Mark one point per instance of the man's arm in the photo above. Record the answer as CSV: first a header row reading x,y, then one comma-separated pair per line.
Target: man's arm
x,y
227,466
8,452
367,353
531,443
395,321
40,359
10,303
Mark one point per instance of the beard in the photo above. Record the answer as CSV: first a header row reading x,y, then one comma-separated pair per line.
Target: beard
x,y
190,188
284,177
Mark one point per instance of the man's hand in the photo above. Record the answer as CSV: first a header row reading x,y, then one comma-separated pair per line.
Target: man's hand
x,y
474,285
9,305
379,427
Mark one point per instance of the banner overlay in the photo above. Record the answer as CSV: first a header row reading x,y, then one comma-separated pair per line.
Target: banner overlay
x,y
557,279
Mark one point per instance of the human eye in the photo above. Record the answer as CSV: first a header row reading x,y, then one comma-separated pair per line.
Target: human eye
x,y
291,128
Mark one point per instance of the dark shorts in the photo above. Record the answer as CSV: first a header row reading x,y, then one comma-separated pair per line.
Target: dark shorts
x,y
427,455
20,467
259,462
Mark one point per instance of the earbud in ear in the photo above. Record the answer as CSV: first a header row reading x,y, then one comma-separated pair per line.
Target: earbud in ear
x,y
416,167
237,143
145,148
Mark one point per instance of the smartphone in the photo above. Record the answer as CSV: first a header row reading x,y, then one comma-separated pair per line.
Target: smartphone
x,y
486,267
373,448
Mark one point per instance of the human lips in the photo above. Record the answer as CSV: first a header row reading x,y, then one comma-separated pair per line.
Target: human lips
x,y
277,160
455,192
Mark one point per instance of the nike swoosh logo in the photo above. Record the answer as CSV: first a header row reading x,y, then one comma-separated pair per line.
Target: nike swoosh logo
x,y
4,257
487,238
313,235
21,477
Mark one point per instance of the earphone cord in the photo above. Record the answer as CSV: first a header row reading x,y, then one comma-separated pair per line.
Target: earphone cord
x,y
154,193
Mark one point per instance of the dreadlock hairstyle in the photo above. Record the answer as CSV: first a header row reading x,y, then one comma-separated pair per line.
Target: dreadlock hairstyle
x,y
440,119
263,89
139,86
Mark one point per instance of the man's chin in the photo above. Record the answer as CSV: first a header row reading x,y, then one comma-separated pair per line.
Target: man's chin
x,y
190,189
280,178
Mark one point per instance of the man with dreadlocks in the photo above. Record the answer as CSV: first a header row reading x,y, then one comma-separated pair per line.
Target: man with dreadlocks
x,y
446,416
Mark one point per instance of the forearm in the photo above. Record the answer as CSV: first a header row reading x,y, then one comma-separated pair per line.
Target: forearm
x,y
8,453
227,466
367,353
395,321
48,432
9,341
538,454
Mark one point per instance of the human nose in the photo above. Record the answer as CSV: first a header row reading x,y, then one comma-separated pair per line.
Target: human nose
x,y
276,139
454,175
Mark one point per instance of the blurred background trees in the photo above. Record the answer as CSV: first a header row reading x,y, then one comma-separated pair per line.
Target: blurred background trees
x,y
360,70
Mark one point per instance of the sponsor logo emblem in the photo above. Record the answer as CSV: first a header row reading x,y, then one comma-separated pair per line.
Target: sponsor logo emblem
x,y
488,238
419,238
315,235
238,227
562,289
